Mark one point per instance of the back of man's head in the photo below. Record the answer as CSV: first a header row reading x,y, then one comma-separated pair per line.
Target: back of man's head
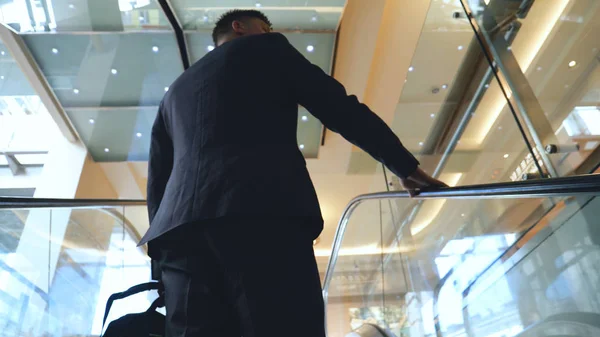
x,y
238,22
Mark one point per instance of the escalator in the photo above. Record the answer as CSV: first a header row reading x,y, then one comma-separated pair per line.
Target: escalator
x,y
465,272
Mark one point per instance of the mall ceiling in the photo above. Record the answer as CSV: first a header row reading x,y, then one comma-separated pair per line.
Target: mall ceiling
x,y
110,62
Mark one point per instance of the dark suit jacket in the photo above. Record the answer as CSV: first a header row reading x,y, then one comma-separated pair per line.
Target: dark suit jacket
x,y
224,141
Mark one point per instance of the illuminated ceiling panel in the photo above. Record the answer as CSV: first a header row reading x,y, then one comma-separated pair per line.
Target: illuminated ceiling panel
x,y
316,47
287,14
123,134
439,55
112,61
93,70
118,134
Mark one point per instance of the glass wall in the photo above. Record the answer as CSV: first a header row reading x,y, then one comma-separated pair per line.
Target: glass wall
x,y
59,266
555,281
548,51
452,112
489,268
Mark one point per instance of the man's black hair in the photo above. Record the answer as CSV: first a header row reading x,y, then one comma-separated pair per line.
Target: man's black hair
x,y
223,26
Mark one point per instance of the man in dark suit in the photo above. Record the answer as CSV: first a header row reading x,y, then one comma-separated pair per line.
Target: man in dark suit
x,y
233,211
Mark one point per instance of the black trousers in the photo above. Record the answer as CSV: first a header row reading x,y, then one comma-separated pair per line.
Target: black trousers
x,y
240,277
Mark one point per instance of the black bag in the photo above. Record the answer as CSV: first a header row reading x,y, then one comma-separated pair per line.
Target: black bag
x,y
145,324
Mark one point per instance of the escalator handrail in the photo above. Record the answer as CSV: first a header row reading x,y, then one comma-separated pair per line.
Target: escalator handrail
x,y
589,319
540,188
6,203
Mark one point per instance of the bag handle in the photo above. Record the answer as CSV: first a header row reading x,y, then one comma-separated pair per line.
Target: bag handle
x,y
132,291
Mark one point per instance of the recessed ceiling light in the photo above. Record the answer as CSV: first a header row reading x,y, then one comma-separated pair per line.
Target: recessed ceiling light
x,y
205,18
76,91
139,135
421,143
71,6
92,121
572,64
210,47
505,155
310,48
301,146
314,18
166,89
113,71
539,68
432,115
460,47
106,149
155,49
2,77
444,86
411,68
54,51
2,53
304,118
258,5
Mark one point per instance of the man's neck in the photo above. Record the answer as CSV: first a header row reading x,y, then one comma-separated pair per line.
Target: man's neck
x,y
225,39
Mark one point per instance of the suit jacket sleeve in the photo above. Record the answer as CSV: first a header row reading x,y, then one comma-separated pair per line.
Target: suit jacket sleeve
x,y
160,163
327,100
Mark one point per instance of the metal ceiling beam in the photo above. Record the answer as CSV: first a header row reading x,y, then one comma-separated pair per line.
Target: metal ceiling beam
x,y
13,163
22,56
102,32
178,29
112,108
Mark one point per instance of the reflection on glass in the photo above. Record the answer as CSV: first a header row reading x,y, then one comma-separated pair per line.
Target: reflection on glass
x,y
59,266
556,278
555,45
82,15
492,267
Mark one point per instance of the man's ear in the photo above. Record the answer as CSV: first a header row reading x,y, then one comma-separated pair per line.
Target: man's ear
x,y
238,27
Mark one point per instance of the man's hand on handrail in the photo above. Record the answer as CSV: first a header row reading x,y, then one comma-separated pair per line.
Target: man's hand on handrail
x,y
419,181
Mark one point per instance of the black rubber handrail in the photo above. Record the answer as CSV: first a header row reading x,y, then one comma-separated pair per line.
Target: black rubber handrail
x,y
583,319
66,203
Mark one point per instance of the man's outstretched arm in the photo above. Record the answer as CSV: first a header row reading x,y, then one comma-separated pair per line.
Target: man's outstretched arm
x,y
328,100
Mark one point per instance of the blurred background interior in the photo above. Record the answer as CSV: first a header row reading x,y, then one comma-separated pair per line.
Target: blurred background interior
x,y
503,92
